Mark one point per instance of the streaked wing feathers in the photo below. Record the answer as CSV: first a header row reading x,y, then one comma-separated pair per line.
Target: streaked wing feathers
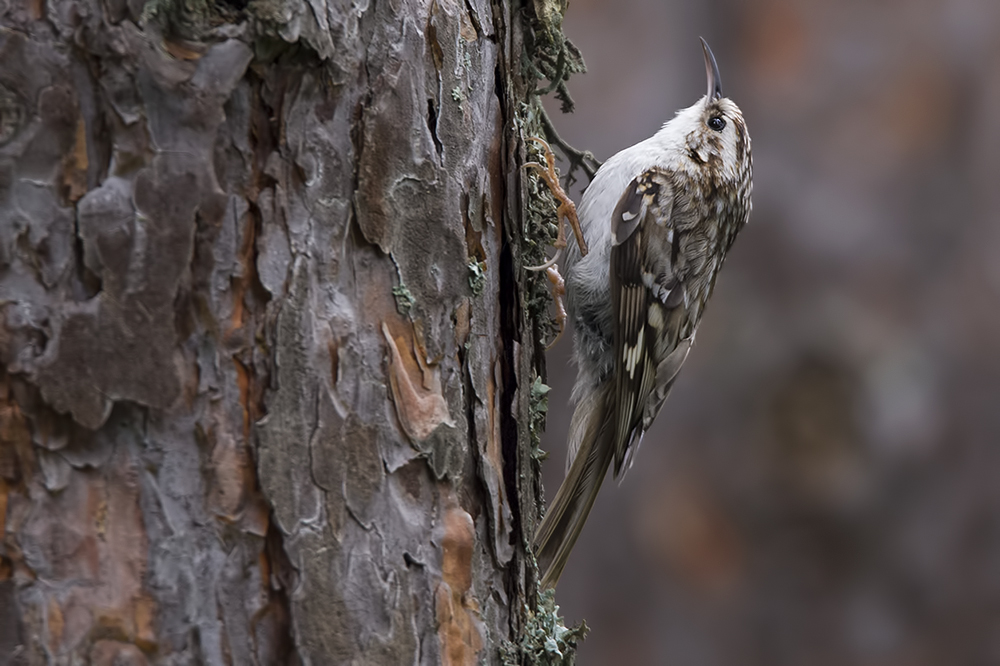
x,y
644,292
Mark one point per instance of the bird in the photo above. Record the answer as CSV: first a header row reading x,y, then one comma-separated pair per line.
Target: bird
x,y
659,218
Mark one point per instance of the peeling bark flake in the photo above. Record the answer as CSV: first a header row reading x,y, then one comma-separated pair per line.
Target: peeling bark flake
x,y
420,406
459,625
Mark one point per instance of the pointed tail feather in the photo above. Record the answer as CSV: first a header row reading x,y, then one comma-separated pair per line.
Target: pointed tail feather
x,y
590,439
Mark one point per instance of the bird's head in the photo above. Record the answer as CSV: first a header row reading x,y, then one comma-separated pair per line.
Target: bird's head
x,y
711,135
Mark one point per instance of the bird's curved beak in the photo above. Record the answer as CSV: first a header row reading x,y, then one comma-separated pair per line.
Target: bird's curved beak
x,y
712,72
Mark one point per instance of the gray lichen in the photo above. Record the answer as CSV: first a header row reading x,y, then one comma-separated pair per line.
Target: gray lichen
x,y
545,640
477,276
539,410
404,299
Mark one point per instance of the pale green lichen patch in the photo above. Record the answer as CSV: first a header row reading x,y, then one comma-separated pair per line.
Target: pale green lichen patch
x,y
545,640
549,61
404,299
539,406
539,222
477,276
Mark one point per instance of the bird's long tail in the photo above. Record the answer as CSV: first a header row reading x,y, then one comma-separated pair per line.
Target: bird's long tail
x,y
590,438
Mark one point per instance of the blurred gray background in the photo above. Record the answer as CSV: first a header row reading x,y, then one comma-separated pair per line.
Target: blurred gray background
x,y
823,486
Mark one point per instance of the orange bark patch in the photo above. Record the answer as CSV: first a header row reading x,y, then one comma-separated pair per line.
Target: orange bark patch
x,y
493,436
234,496
463,322
243,383
492,471
56,625
114,592
17,464
459,539
247,272
416,390
145,615
456,609
466,28
91,542
16,452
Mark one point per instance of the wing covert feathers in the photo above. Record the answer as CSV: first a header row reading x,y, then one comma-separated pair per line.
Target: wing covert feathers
x,y
641,217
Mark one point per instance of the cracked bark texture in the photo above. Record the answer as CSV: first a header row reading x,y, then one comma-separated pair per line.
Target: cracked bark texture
x,y
252,409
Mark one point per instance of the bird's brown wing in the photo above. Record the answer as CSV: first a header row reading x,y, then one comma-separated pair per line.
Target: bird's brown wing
x,y
649,307
647,301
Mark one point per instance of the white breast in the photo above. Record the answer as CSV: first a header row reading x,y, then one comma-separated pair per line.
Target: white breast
x,y
664,149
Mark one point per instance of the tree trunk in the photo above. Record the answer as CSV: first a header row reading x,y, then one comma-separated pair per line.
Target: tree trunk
x,y
266,335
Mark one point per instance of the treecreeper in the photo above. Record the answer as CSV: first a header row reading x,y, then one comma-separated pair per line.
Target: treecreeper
x,y
659,218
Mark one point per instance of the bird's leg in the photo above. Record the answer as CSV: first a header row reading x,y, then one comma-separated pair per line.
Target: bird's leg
x,y
566,212
558,291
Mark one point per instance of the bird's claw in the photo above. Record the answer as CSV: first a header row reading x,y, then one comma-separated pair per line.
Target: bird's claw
x,y
558,291
566,212
548,264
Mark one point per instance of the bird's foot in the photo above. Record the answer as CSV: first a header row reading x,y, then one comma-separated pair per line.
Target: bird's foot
x,y
566,211
558,291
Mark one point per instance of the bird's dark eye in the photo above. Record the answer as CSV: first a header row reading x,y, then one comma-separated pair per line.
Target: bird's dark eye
x,y
717,123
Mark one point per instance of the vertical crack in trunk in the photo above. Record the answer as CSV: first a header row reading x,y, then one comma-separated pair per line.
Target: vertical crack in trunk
x,y
510,334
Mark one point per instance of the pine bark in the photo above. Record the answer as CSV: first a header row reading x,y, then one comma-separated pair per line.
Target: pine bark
x,y
262,332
